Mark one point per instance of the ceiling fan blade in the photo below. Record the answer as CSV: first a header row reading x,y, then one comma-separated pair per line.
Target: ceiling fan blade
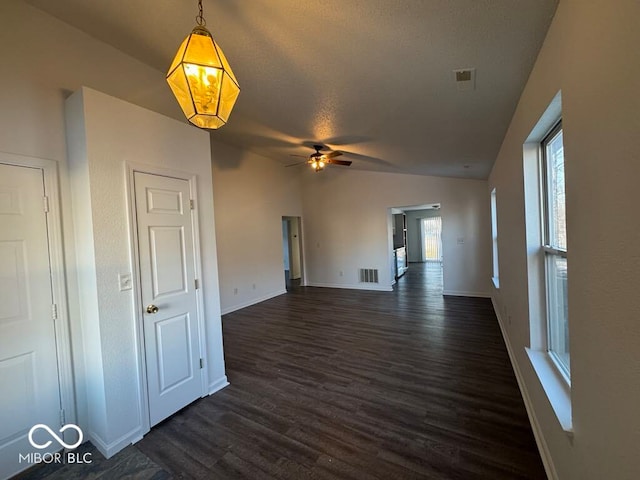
x,y
301,156
295,164
344,163
334,154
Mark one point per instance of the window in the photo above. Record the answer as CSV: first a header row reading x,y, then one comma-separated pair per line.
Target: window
x,y
546,250
554,248
494,236
432,235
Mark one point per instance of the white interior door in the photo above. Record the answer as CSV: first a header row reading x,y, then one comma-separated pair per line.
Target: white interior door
x,y
29,382
167,274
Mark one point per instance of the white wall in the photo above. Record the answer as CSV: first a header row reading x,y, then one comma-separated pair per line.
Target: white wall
x,y
591,54
48,61
252,194
105,134
347,226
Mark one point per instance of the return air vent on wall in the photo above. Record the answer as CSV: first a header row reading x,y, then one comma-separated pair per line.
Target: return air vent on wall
x,y
368,275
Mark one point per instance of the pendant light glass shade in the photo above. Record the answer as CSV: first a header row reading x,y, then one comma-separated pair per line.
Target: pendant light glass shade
x,y
202,81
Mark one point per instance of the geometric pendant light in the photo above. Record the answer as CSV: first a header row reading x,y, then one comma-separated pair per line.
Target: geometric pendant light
x,y
201,79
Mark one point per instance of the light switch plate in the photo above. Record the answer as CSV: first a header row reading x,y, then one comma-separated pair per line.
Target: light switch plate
x,y
124,281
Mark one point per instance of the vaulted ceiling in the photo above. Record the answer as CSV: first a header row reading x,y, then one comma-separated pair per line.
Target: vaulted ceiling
x,y
372,78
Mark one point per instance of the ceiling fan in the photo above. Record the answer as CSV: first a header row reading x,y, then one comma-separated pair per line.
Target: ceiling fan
x,y
319,160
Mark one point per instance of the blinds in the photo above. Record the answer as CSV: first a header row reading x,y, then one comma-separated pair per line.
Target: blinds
x,y
432,232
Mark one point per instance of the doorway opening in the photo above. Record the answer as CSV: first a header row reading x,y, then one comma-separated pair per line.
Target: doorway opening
x,y
416,240
292,252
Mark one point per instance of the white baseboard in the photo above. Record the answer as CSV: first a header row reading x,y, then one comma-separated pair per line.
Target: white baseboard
x,y
456,293
219,384
543,448
253,301
108,450
356,286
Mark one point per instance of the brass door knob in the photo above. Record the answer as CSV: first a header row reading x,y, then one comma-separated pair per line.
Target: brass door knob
x,y
152,309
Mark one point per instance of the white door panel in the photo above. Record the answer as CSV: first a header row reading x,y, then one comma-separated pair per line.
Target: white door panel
x,y
167,277
168,272
29,379
173,344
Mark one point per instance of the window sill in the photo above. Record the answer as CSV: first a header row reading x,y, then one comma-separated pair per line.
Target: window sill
x,y
496,282
555,386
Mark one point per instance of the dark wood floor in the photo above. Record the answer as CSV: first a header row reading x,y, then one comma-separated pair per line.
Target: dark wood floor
x,y
345,384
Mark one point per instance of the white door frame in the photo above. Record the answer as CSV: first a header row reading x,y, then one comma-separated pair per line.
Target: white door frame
x,y
58,276
130,170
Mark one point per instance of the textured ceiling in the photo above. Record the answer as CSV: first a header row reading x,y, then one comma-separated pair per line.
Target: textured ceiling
x,y
373,78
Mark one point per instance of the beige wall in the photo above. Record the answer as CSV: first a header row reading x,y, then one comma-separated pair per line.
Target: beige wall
x,y
590,54
346,226
252,194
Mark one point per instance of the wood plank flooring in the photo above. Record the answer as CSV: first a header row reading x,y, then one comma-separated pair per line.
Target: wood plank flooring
x,y
346,384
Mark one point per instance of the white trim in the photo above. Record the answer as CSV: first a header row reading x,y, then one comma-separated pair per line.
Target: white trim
x,y
543,448
195,226
496,282
253,301
108,450
456,293
141,364
555,386
58,275
218,385
358,286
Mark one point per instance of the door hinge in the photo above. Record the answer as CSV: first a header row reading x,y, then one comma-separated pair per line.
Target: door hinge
x,y
201,363
62,418
45,201
197,284
54,311
192,204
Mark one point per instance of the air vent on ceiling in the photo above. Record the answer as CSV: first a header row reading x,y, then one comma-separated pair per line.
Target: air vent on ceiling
x,y
465,79
368,275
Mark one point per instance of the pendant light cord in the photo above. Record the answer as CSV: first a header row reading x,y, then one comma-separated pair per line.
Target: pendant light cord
x,y
200,19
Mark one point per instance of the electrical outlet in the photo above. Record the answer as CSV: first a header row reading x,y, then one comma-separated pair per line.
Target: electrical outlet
x,y
235,291
460,240
254,286
341,273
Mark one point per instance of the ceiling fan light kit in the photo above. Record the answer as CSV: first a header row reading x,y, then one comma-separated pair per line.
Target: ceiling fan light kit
x,y
319,160
202,80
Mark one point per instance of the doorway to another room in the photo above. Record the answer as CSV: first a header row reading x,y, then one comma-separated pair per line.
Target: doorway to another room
x,y
292,252
417,245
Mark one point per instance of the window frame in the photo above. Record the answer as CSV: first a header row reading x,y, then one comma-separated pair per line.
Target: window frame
x,y
494,238
549,251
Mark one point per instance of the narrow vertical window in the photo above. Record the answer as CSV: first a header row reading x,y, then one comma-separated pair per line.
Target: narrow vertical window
x,y
555,248
494,236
